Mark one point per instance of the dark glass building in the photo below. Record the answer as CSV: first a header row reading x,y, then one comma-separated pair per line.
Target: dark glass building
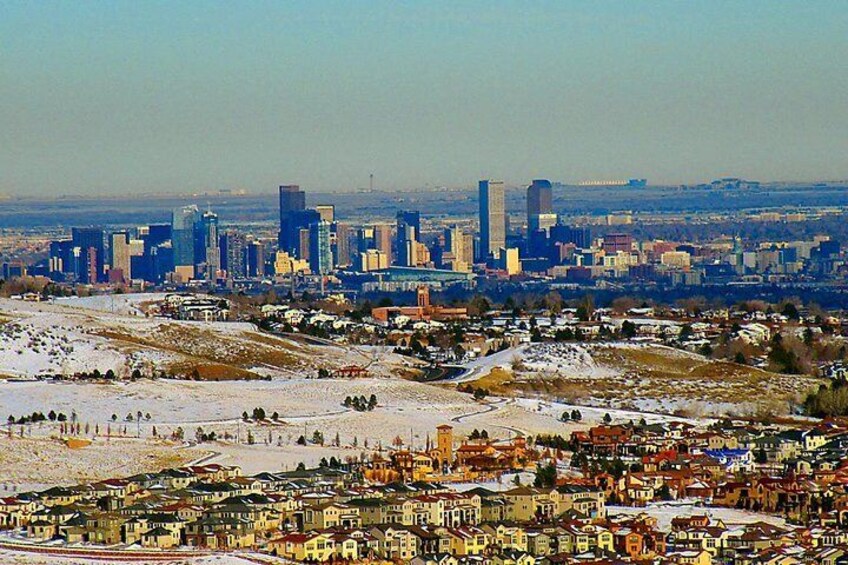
x,y
292,201
91,256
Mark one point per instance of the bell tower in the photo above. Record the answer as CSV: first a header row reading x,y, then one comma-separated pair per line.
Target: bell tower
x,y
444,444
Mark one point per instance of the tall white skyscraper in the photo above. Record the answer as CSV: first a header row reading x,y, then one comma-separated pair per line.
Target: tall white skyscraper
x,y
120,245
492,218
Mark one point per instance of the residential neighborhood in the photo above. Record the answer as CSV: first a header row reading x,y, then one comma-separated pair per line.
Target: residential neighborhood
x,y
590,498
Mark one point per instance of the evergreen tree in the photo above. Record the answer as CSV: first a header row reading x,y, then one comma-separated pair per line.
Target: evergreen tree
x,y
545,476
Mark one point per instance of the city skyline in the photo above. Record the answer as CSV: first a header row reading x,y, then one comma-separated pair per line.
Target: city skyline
x,y
427,283
165,98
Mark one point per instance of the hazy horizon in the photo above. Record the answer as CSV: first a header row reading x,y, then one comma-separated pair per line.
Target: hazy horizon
x,y
107,99
520,187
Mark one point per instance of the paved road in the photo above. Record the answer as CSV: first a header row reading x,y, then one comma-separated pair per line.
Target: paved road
x,y
490,407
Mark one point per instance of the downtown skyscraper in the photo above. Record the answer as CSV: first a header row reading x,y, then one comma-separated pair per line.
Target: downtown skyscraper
x,y
492,218
89,253
183,239
540,211
292,205
320,252
408,233
207,242
233,249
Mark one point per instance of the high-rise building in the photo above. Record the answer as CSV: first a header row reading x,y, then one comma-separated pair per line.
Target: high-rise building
x,y
255,259
459,249
492,218
420,254
468,249
233,247
537,243
285,264
183,224
540,214
542,222
126,251
119,266
579,236
344,234
160,261
508,261
383,240
377,237
410,218
453,242
372,260
61,258
207,240
91,255
90,264
406,244
320,253
136,246
149,258
618,242
539,201
292,200
365,239
303,247
326,212
408,233
298,222
156,234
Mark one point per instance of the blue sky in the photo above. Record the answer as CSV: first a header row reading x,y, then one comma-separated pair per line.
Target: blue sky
x,y
114,97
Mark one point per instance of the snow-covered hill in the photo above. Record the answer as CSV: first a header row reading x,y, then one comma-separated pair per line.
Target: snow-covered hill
x,y
81,335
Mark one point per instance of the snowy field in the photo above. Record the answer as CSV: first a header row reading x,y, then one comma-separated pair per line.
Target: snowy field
x,y
43,344
664,512
481,366
581,360
122,304
563,359
593,416
560,359
39,461
406,410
